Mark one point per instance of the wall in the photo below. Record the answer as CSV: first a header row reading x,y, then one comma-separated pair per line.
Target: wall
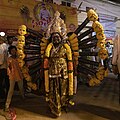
x,y
102,8
17,12
118,27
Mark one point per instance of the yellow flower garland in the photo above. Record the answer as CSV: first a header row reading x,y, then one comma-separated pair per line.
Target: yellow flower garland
x,y
70,68
103,54
21,56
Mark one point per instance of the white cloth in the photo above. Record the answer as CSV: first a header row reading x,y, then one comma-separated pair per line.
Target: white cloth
x,y
116,52
3,55
110,50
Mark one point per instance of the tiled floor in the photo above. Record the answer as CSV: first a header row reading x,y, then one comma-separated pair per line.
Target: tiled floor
x,y
91,103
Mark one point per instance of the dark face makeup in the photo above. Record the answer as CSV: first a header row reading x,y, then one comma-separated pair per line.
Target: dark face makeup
x,y
56,38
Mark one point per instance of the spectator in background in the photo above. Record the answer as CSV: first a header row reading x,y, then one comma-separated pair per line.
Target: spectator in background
x,y
109,48
116,56
15,75
11,41
4,82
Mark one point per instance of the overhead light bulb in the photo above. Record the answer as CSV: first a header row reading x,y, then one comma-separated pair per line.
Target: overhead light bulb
x,y
2,33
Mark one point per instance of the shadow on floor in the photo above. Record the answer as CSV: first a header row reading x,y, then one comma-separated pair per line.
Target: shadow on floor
x,y
96,110
37,105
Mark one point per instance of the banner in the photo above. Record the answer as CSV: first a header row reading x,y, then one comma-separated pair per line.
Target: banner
x,y
35,15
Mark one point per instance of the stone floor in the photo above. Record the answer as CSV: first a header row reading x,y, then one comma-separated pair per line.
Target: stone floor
x,y
91,103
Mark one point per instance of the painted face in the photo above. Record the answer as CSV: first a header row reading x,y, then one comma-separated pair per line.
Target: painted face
x,y
91,82
20,46
100,74
21,54
92,15
27,77
29,84
34,86
97,26
21,63
25,70
103,54
94,81
21,42
21,37
100,35
101,43
22,30
56,39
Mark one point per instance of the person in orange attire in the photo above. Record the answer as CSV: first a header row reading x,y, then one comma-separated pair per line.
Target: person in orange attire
x,y
15,75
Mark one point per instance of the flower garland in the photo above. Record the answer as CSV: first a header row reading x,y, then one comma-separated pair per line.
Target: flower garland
x,y
70,67
103,53
21,56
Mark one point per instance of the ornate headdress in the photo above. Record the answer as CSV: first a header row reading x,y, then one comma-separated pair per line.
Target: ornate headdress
x,y
56,25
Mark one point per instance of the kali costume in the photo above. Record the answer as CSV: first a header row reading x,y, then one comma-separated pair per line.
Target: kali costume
x,y
58,76
58,69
